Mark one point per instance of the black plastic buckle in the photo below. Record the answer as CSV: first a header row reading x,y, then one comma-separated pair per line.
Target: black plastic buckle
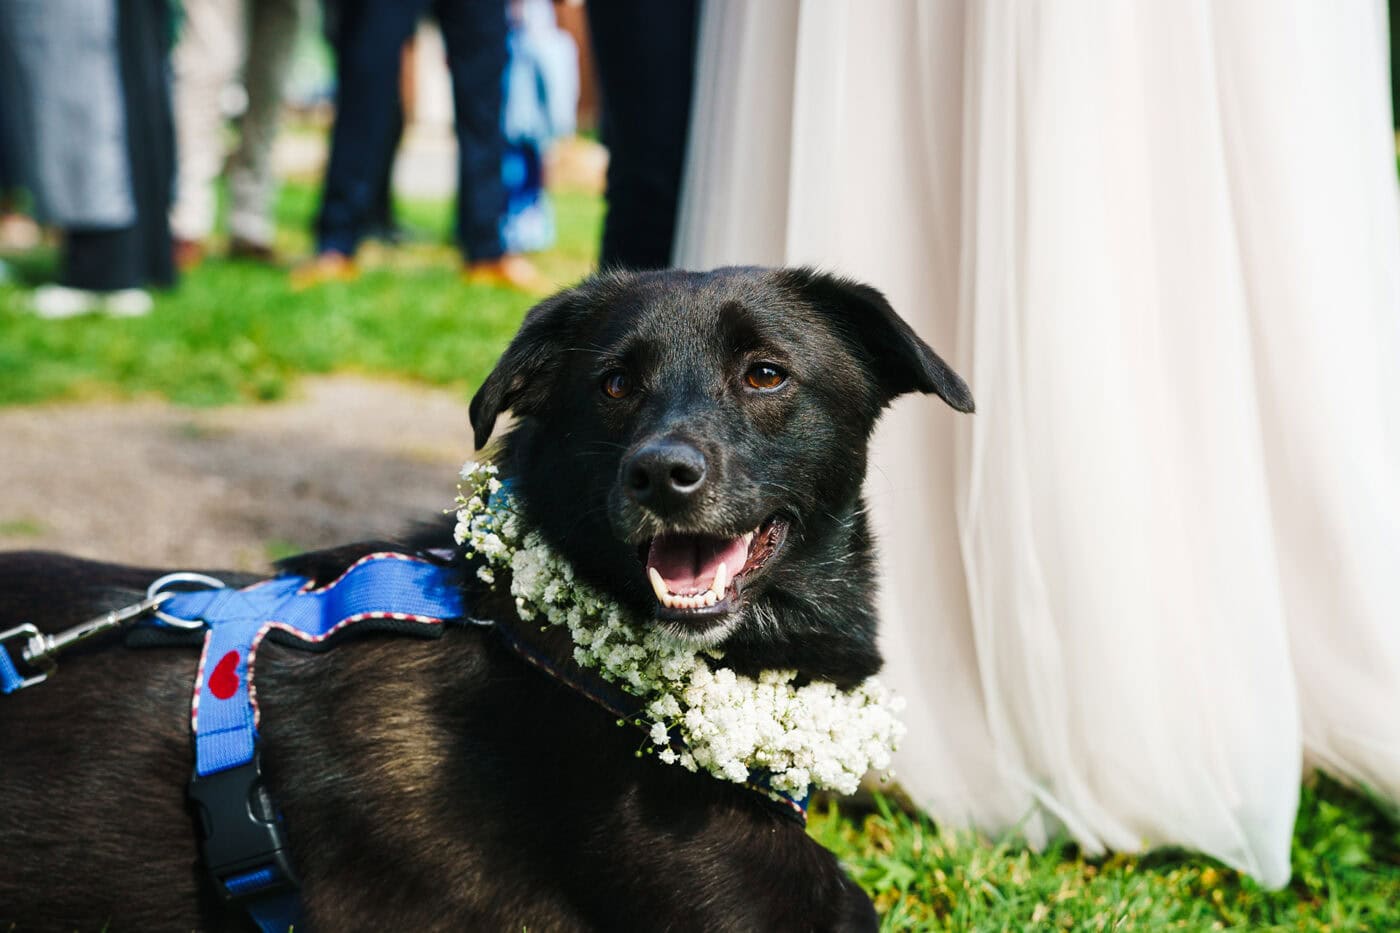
x,y
240,832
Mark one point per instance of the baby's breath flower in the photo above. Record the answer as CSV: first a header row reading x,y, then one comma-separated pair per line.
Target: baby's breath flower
x,y
732,725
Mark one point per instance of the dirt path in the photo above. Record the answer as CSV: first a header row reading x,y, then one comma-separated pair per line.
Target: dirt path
x,y
231,487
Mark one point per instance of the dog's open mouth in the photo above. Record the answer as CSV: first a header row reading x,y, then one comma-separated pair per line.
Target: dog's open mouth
x,y
701,577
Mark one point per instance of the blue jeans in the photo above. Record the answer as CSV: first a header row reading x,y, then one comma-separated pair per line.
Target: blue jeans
x,y
370,34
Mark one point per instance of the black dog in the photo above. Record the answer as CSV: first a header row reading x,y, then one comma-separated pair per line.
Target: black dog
x,y
666,422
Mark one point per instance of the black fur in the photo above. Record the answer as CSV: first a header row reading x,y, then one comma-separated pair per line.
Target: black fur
x,y
446,784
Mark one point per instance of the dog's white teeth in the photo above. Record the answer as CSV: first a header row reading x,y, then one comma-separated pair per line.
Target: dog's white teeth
x,y
748,539
659,586
696,601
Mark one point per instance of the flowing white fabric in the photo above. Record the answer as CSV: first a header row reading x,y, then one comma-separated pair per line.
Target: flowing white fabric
x,y
1162,242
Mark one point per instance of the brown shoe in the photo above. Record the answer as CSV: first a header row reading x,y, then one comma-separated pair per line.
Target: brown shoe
x,y
188,254
250,251
329,266
18,233
508,271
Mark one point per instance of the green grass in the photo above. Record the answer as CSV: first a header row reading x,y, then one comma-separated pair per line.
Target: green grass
x,y
236,331
21,528
1346,876
280,549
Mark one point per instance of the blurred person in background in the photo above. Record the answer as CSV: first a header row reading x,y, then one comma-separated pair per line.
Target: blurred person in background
x,y
381,223
541,107
9,185
87,111
219,39
18,232
371,34
646,64
1155,573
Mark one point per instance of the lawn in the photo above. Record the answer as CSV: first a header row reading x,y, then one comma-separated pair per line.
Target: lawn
x,y
1346,876
235,332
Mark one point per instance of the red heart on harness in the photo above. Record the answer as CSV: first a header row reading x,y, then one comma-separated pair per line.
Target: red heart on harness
x,y
223,683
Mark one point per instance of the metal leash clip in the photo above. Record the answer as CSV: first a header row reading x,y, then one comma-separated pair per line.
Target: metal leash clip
x,y
40,652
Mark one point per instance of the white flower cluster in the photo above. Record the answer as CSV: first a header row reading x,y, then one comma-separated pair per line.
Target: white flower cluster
x,y
728,724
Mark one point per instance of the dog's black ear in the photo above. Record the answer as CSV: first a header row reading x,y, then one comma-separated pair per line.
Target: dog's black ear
x,y
899,357
520,380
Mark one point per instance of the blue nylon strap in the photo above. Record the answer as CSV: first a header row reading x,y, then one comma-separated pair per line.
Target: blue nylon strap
x,y
384,586
277,914
381,586
10,678
250,881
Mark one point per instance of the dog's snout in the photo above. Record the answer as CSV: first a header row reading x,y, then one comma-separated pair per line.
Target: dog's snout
x,y
665,475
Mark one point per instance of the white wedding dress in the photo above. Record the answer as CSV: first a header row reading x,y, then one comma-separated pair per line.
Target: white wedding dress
x,y
1158,572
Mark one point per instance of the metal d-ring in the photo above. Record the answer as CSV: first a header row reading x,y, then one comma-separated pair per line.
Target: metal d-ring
x,y
158,586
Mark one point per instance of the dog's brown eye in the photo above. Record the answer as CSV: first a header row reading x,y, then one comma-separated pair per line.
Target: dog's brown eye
x,y
764,376
617,384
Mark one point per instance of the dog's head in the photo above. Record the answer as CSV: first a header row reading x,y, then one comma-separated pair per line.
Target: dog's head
x,y
695,443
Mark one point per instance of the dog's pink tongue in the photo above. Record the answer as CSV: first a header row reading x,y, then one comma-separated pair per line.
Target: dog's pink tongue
x,y
688,562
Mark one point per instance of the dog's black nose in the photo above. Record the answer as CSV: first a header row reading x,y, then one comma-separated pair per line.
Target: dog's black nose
x,y
665,475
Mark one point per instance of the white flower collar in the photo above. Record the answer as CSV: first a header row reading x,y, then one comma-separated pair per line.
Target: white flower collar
x,y
766,731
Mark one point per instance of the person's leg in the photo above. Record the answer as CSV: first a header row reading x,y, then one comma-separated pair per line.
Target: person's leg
x,y
205,61
18,231
646,66
9,170
138,255
372,32
272,32
101,260
475,34
95,266
142,36
381,225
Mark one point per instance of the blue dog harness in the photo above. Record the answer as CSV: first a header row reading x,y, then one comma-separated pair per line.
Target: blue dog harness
x,y
242,838
224,715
